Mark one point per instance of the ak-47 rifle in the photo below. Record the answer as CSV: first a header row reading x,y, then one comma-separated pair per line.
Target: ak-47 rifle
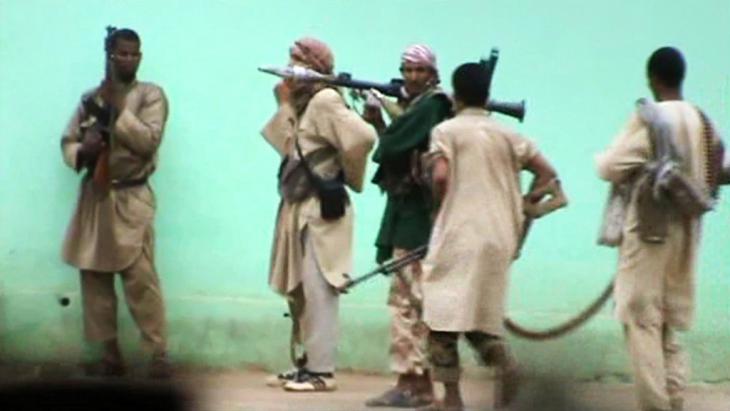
x,y
553,198
99,119
394,88
389,266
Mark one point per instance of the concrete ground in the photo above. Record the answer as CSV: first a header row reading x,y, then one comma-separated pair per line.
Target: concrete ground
x,y
244,390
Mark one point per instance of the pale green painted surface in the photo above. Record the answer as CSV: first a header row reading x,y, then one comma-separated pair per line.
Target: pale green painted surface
x,y
580,65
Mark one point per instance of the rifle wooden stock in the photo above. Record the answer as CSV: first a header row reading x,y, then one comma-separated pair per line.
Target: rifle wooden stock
x,y
101,176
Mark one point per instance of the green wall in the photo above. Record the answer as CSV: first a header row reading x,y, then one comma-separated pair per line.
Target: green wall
x,y
579,64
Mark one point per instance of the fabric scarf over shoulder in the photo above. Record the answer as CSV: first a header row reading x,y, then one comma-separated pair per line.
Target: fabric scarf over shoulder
x,y
406,218
412,129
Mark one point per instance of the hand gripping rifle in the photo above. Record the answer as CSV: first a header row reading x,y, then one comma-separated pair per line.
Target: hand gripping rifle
x,y
393,89
99,121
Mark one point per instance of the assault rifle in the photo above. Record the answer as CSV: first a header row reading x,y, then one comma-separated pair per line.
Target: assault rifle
x,y
553,199
389,266
98,121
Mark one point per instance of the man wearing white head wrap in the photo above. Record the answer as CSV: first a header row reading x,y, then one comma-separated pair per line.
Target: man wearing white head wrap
x,y
406,222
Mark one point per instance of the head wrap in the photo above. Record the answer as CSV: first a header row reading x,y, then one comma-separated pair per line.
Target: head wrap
x,y
314,53
419,54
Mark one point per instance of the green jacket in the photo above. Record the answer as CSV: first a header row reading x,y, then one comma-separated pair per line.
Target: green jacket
x,y
406,221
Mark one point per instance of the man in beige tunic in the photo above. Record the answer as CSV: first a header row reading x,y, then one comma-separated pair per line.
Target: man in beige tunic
x,y
114,134
476,167
312,250
655,282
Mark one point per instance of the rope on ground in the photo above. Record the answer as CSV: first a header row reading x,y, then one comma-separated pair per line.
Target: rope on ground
x,y
564,328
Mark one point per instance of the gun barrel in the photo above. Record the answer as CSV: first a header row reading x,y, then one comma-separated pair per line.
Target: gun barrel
x,y
272,70
512,109
299,73
391,265
392,89
489,65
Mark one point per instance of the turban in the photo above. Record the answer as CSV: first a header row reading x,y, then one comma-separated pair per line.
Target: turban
x,y
314,53
419,54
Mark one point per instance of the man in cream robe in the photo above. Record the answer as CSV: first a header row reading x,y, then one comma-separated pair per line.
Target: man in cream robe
x,y
655,282
111,230
312,256
476,167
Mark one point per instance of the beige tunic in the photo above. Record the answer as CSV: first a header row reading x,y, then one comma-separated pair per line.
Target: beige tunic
x,y
655,282
327,122
478,225
106,231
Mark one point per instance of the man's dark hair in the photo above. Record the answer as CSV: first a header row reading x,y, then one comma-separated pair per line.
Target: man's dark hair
x,y
667,65
471,84
122,34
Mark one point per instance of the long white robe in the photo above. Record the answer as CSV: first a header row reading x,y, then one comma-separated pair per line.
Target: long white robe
x,y
478,225
655,283
326,122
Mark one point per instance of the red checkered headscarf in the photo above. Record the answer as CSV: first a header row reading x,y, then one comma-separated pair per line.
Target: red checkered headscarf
x,y
419,54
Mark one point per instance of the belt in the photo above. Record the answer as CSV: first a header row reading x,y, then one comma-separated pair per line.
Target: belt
x,y
121,184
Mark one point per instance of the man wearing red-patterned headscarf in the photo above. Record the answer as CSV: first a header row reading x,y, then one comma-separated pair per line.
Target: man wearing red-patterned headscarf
x,y
406,222
324,148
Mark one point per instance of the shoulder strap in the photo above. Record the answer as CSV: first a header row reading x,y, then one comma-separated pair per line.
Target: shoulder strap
x,y
315,180
317,156
659,134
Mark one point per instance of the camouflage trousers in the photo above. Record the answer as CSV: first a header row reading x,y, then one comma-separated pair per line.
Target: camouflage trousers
x,y
408,332
443,353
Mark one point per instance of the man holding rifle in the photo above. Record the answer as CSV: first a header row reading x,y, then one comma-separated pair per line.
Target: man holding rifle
x,y
114,135
406,222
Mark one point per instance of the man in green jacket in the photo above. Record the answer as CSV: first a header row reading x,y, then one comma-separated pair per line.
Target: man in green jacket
x,y
406,222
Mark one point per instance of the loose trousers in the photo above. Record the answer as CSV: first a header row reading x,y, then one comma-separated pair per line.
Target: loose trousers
x,y
314,307
660,366
143,296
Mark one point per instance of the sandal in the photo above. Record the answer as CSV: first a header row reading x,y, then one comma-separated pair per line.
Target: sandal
x,y
399,398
